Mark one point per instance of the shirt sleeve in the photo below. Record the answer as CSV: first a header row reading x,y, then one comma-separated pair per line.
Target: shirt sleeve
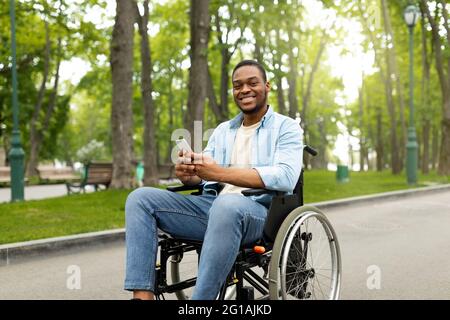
x,y
285,171
211,145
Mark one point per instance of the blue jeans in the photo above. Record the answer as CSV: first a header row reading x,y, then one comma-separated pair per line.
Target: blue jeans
x,y
223,222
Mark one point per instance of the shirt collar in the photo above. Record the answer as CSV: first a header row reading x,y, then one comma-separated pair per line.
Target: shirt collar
x,y
235,123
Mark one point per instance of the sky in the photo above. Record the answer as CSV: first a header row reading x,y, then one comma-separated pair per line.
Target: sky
x,y
349,67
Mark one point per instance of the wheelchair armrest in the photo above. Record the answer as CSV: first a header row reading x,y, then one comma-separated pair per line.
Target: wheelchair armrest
x,y
254,192
183,187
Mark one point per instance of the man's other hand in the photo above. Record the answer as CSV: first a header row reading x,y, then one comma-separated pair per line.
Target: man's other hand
x,y
185,170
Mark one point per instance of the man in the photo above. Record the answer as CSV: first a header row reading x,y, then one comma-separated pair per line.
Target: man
x,y
257,149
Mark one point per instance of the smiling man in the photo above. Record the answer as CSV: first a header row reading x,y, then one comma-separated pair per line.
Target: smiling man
x,y
259,148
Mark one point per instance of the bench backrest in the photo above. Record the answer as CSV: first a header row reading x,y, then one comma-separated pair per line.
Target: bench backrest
x,y
99,173
52,172
5,171
5,174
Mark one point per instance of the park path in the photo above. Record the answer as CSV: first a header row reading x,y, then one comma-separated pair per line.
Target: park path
x,y
38,192
405,242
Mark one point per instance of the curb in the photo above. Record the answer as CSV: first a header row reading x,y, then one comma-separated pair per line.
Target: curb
x,y
13,252
379,196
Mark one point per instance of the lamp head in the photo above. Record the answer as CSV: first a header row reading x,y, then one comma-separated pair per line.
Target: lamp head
x,y
411,15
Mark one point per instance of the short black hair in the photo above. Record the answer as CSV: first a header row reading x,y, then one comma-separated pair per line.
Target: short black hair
x,y
251,63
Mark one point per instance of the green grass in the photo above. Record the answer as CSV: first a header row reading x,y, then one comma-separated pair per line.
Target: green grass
x,y
105,209
62,216
321,185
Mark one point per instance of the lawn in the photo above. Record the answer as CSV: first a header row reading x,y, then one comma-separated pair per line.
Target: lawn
x,y
105,209
321,185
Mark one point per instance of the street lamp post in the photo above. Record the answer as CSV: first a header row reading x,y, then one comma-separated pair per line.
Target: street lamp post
x,y
16,154
411,15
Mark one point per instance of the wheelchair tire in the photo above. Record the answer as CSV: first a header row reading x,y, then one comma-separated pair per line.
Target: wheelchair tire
x,y
301,266
174,264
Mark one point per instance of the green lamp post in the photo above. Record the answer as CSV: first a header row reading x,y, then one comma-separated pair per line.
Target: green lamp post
x,y
411,16
16,154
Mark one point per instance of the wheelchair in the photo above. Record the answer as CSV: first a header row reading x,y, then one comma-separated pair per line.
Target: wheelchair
x,y
298,255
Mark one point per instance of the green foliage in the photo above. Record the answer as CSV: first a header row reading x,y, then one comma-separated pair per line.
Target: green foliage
x,y
83,109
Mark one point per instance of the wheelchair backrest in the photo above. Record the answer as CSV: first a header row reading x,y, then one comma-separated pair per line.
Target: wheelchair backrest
x,y
282,205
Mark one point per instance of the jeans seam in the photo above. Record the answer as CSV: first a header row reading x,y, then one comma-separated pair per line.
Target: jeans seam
x,y
172,210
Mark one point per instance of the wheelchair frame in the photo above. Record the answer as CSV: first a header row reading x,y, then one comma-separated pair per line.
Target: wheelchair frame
x,y
247,258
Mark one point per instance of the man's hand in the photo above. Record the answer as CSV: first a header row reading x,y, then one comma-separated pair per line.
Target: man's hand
x,y
206,168
185,170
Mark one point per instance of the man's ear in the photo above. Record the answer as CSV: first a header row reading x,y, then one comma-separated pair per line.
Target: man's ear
x,y
267,86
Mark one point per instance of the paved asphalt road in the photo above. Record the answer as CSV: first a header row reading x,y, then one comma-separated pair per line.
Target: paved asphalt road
x,y
407,242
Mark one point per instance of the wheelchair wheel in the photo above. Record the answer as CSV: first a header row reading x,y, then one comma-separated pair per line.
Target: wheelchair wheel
x,y
177,274
306,261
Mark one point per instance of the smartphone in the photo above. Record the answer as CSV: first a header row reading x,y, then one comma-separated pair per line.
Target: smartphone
x,y
183,145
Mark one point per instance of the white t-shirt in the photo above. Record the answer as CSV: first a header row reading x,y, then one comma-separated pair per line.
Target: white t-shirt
x,y
241,156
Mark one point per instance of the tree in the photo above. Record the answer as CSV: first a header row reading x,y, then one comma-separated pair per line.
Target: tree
x,y
150,156
236,19
122,73
34,133
393,72
386,77
441,16
198,73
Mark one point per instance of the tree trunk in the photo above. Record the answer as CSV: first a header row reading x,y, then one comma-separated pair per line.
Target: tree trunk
x,y
292,79
52,100
226,51
171,122
386,78
212,100
306,95
396,164
309,86
434,148
361,135
322,156
257,54
419,149
150,150
426,147
380,144
122,91
425,93
224,81
33,159
444,80
280,97
393,67
279,75
198,73
444,153
48,112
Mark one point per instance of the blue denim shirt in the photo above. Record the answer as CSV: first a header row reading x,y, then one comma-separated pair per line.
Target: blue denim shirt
x,y
277,151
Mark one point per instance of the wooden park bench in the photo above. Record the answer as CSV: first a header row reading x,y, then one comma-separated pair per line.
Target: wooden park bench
x,y
51,173
5,175
96,174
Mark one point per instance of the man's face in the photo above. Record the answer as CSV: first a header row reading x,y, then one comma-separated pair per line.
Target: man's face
x,y
249,90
